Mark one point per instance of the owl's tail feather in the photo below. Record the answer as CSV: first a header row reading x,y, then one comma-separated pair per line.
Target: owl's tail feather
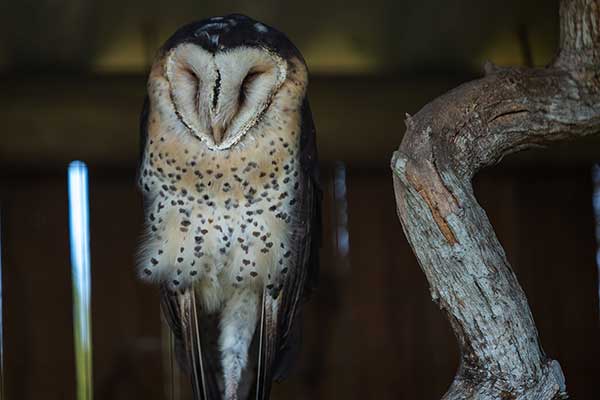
x,y
267,349
183,313
194,342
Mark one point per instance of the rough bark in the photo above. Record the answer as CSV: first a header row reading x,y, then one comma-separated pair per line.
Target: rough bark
x,y
446,143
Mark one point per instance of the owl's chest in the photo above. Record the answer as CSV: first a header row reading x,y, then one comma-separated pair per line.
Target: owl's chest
x,y
232,185
232,212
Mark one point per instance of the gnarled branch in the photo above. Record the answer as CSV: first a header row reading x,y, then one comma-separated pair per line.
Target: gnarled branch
x,y
446,143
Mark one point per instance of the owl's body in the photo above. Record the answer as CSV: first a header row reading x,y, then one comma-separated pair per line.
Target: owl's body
x,y
231,198
211,211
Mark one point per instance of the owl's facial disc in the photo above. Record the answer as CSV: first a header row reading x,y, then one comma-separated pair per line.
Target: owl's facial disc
x,y
221,96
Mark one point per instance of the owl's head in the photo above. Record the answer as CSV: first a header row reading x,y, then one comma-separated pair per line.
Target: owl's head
x,y
223,74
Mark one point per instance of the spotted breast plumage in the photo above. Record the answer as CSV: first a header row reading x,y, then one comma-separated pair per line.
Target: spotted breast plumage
x,y
229,177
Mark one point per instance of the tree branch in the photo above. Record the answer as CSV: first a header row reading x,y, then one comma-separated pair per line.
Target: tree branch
x,y
446,143
579,38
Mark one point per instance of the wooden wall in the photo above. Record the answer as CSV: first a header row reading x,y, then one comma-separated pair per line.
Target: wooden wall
x,y
371,332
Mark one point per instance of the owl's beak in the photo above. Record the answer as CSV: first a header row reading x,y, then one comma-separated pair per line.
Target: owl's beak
x,y
218,133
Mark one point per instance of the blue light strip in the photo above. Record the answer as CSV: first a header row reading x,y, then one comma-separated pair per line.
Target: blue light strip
x,y
342,236
79,229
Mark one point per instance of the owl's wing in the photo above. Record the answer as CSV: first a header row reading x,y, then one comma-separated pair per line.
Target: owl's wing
x,y
143,141
182,312
280,326
144,129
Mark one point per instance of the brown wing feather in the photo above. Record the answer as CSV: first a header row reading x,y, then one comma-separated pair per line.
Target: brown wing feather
x,y
181,311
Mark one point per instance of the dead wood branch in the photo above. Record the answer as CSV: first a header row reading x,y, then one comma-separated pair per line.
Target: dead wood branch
x,y
446,143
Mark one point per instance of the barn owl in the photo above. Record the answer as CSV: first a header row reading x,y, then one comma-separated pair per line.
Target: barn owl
x,y
229,177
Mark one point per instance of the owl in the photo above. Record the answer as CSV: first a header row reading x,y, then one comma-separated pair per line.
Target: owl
x,y
229,177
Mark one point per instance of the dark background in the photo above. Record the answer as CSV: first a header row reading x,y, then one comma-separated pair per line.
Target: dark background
x,y
72,75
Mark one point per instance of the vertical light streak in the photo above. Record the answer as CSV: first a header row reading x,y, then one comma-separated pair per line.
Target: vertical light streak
x,y
341,214
80,266
596,204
